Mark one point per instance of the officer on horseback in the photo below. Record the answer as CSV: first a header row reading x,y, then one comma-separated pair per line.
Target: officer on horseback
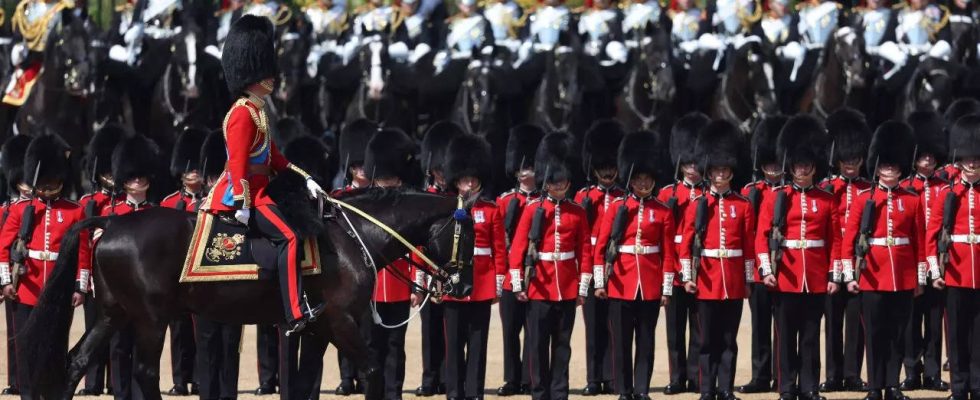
x,y
781,41
134,21
413,34
469,33
878,22
331,26
505,18
546,29
249,64
638,15
31,22
922,31
601,29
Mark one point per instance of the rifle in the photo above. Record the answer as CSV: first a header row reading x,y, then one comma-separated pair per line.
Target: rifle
x,y
510,218
90,206
700,227
617,232
18,254
950,204
777,225
587,201
868,217
754,193
672,202
531,257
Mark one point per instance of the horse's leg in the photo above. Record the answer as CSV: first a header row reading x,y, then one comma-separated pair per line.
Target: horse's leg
x,y
87,352
148,345
346,334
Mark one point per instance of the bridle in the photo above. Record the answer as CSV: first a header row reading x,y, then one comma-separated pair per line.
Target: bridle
x,y
187,80
477,99
564,103
652,83
727,108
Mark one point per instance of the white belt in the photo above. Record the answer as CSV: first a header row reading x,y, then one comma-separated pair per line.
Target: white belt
x,y
482,251
889,241
802,244
568,255
639,250
42,255
721,253
968,239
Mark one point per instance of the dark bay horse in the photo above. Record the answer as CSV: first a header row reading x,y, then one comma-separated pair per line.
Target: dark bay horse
x,y
139,259
558,94
931,88
650,89
746,92
380,97
841,75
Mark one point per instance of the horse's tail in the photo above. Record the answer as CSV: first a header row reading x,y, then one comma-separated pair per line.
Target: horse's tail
x,y
42,343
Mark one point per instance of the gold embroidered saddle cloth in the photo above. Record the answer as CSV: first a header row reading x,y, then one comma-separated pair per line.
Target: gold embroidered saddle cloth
x,y
223,250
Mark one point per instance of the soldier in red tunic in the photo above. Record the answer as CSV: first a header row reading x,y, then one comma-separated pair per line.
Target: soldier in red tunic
x,y
50,216
599,162
764,159
956,110
12,159
249,65
636,243
717,257
553,243
894,265
924,336
797,246
683,339
844,334
953,253
519,163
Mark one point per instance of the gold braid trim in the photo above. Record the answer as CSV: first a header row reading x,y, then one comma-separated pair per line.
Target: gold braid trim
x,y
935,28
35,33
282,16
298,170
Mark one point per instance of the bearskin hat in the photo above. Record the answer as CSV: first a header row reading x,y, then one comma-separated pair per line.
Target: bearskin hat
x,y
249,54
802,140
134,157
964,137
98,157
960,108
718,145
522,146
638,153
763,143
287,129
434,145
552,160
187,151
601,144
353,142
468,155
849,134
213,154
893,143
930,134
47,156
12,157
310,154
391,153
684,138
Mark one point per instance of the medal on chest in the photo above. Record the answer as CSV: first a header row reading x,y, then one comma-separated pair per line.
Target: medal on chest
x,y
731,211
478,217
59,217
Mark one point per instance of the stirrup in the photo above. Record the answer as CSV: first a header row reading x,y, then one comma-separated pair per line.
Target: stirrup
x,y
296,327
311,313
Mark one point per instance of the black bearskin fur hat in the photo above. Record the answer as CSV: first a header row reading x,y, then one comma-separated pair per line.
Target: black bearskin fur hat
x,y
249,54
639,154
849,135
98,156
684,138
964,138
764,141
134,157
804,140
960,108
552,160
892,143
601,144
312,155
468,155
49,152
930,134
353,142
434,145
522,146
12,157
187,151
391,153
718,145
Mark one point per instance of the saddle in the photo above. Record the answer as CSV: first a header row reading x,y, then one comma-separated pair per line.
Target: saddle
x,y
223,249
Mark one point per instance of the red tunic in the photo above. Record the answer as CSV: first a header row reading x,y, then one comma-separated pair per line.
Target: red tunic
x,y
392,287
928,189
599,200
896,259
190,202
964,253
728,259
503,204
123,207
812,244
252,156
100,200
646,251
563,270
51,222
683,193
489,252
765,189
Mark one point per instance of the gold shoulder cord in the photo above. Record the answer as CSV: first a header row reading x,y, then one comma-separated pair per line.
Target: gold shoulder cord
x,y
34,33
941,24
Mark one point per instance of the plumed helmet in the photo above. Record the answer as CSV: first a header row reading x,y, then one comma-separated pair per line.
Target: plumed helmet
x,y
930,134
213,154
522,146
391,153
353,142
552,161
134,157
98,156
892,143
639,153
849,135
249,53
718,145
763,148
435,143
187,151
47,156
468,155
601,144
684,138
964,138
312,155
12,157
802,140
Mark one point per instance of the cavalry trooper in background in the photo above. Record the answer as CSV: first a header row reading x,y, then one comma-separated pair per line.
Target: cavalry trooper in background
x,y
271,9
797,243
412,34
951,250
600,27
766,159
922,32
435,147
505,18
184,166
817,21
599,156
636,251
876,21
778,30
522,144
638,16
963,18
717,258
548,27
17,189
47,216
683,337
468,168
924,335
894,263
30,23
332,28
556,263
844,330
372,18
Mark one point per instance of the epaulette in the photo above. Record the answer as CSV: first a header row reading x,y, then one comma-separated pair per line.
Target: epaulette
x,y
177,193
21,201
537,200
862,191
908,191
507,193
72,202
739,195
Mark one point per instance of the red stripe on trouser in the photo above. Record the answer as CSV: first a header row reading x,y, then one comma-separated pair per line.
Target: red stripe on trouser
x,y
291,258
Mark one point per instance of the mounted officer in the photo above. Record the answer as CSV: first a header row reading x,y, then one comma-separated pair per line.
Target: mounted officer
x,y
922,31
505,18
31,22
547,28
778,29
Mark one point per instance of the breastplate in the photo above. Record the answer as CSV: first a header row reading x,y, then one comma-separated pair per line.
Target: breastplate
x,y
639,15
819,21
502,17
548,23
875,23
685,25
466,34
776,29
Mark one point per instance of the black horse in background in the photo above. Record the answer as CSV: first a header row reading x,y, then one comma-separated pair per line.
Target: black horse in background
x,y
841,77
931,87
649,95
380,97
296,94
139,259
557,97
746,92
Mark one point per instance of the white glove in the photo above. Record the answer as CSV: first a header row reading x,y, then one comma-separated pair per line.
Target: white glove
x,y
243,215
940,50
617,52
213,50
891,52
313,187
689,46
17,54
710,41
119,53
398,51
132,34
420,51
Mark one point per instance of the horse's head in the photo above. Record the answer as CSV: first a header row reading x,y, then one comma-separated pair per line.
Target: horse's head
x,y
68,54
654,55
933,84
292,49
373,56
848,47
964,43
759,77
184,67
450,246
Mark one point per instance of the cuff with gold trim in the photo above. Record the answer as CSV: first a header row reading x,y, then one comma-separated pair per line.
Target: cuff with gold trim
x,y
584,284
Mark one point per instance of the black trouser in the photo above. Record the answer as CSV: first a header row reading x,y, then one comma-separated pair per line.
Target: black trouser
x,y
598,360
760,302
549,331
467,327
798,340
513,317
217,359
885,315
627,318
21,313
963,319
10,308
122,365
267,347
924,335
388,347
95,375
301,366
270,222
433,346
844,336
182,350
682,350
719,321
348,371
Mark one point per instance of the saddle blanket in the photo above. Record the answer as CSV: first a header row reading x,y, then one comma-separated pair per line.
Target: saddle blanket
x,y
221,251
21,84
